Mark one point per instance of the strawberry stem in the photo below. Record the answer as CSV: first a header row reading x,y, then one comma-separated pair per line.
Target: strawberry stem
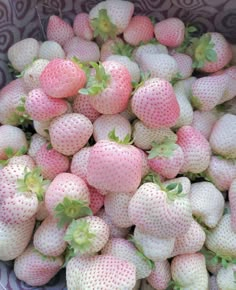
x,y
165,149
113,137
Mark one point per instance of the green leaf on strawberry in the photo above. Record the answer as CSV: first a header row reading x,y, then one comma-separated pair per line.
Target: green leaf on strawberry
x,y
165,149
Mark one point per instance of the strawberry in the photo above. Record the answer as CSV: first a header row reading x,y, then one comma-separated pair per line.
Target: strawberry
x,y
24,160
170,32
232,202
184,63
42,107
196,149
67,198
87,235
114,166
213,283
144,136
81,26
140,29
189,272
58,30
35,143
42,128
155,104
49,239
79,163
96,200
110,18
42,212
110,47
116,206
184,86
84,50
166,158
125,250
32,74
82,105
226,278
74,128
207,203
22,53
62,78
223,136
148,48
50,50
51,162
106,123
10,233
35,269
164,212
160,277
109,87
103,271
145,166
185,183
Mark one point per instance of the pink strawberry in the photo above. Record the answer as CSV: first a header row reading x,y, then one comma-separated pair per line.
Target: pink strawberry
x,y
184,63
62,78
42,107
23,52
35,269
70,132
109,87
196,150
49,239
10,233
58,30
155,104
81,26
140,28
35,143
96,200
51,49
170,32
232,202
160,277
145,166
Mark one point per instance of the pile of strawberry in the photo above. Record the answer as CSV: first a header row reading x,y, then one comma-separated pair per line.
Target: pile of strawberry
x,y
118,155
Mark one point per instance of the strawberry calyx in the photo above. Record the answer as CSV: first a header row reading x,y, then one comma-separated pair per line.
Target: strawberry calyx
x,y
165,149
144,76
44,257
33,182
20,116
71,209
97,82
174,285
103,26
174,191
10,153
195,102
113,137
188,38
79,237
215,259
82,65
152,177
198,176
205,228
124,49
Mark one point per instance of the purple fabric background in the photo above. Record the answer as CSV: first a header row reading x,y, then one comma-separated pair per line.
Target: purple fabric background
x,y
24,18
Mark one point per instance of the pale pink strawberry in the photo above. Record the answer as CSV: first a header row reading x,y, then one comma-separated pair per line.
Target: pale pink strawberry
x,y
114,167
51,49
191,242
24,160
160,277
184,63
226,277
166,158
36,269
223,136
197,151
51,162
232,202
207,203
110,88
153,248
22,53
62,78
126,251
35,143
58,30
70,132
107,271
144,136
221,172
82,105
81,26
170,32
79,163
208,91
140,29
145,166
162,212
42,128
115,232
32,74
148,48
87,235
110,18
96,200
42,212
189,271
155,104
230,92
49,239
14,238
11,137
204,122
159,65
67,198
42,107
128,114
104,124
109,47
116,206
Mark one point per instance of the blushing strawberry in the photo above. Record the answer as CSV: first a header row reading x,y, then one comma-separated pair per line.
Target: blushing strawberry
x,y
50,50
160,277
81,26
232,202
